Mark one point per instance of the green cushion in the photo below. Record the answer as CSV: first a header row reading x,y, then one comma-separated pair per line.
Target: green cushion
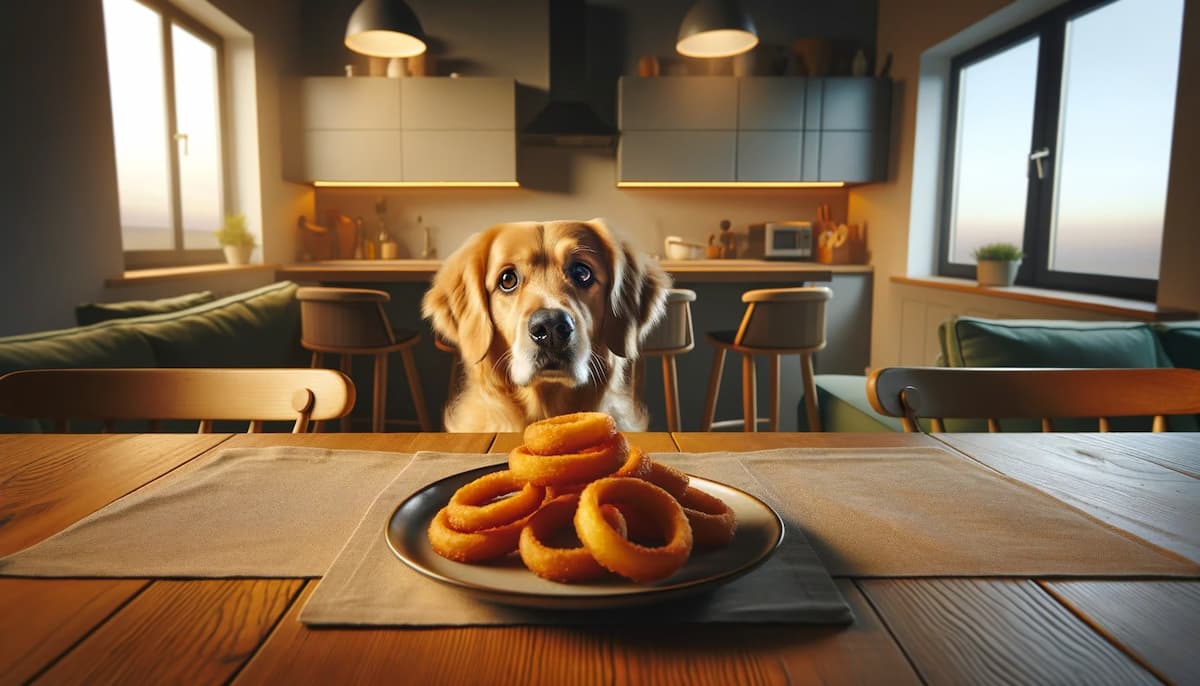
x,y
844,407
1181,341
257,328
977,342
93,313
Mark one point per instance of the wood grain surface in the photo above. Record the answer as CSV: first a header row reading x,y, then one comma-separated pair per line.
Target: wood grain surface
x,y
1158,504
42,618
53,481
196,632
1156,621
967,631
1178,451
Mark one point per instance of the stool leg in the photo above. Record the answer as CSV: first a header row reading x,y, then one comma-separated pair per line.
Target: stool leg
x,y
378,412
414,387
670,392
773,392
346,368
714,385
316,359
810,392
749,394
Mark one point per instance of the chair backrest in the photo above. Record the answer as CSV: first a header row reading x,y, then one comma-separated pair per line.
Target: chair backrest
x,y
673,334
110,395
938,393
784,318
341,318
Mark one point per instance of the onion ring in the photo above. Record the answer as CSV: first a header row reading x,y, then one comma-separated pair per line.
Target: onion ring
x,y
613,551
565,565
571,468
637,465
667,478
474,546
713,523
569,433
475,505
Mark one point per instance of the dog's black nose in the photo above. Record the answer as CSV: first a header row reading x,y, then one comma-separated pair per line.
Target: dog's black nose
x,y
551,329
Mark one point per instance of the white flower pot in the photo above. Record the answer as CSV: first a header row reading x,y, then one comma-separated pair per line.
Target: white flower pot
x,y
999,273
238,254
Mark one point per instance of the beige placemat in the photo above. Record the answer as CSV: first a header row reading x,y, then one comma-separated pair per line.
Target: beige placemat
x,y
368,585
251,512
929,512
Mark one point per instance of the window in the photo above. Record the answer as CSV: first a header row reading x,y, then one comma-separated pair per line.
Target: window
x,y
164,73
1060,141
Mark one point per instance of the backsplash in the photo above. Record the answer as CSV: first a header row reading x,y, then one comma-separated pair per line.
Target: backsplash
x,y
558,183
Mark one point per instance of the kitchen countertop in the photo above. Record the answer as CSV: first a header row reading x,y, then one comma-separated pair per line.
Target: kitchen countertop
x,y
684,271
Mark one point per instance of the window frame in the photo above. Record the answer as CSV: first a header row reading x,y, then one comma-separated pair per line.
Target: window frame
x,y
179,256
1050,28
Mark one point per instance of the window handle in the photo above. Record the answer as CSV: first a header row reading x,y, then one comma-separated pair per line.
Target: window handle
x,y
1037,156
184,137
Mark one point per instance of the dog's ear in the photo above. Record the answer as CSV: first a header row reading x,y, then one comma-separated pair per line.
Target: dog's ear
x,y
637,295
456,304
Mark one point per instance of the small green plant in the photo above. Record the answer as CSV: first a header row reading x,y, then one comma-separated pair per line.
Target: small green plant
x,y
1006,252
234,232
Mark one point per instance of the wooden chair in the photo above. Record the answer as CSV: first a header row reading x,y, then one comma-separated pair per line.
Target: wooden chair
x,y
109,395
938,393
777,321
352,321
673,336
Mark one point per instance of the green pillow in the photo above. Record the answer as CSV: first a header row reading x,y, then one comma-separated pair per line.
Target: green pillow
x,y
978,342
1181,340
93,313
257,328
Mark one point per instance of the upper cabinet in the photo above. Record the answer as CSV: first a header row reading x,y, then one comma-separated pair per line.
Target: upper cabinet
x,y
416,130
754,129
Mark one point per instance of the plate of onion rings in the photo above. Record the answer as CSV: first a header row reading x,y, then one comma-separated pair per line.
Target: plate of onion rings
x,y
507,580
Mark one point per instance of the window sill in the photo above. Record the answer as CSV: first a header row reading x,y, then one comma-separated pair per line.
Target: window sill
x,y
1120,307
138,277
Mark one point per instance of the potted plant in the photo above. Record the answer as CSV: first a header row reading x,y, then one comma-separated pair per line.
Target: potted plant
x,y
237,242
996,264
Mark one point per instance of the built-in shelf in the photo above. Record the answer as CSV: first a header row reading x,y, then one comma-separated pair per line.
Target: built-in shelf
x,y
138,277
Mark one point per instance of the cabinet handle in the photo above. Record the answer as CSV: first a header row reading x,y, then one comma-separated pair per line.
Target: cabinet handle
x,y
183,137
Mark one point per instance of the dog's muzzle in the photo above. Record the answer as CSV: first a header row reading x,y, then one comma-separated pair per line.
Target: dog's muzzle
x,y
552,330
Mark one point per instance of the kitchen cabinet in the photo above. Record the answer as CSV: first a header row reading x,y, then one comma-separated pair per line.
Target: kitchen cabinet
x,y
784,129
417,130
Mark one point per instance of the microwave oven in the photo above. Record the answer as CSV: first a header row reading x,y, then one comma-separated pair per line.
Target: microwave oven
x,y
781,240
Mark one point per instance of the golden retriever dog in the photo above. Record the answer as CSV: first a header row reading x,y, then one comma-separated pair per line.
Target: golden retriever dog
x,y
548,318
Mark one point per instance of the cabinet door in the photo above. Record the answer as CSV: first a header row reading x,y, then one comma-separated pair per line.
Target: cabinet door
x,y
678,103
847,156
466,104
677,155
770,155
359,103
771,103
459,156
352,156
851,104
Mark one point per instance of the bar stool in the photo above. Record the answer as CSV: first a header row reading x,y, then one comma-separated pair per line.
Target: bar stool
x,y
672,336
777,321
351,321
456,371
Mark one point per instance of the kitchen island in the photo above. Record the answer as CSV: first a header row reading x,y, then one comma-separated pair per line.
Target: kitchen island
x,y
719,285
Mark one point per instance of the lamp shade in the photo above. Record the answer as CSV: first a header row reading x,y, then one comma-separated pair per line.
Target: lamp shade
x,y
385,28
716,28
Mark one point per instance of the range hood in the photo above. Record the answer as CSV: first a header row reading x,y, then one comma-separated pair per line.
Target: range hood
x,y
567,119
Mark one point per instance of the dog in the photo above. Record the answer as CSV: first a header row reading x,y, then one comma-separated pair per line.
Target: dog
x,y
548,318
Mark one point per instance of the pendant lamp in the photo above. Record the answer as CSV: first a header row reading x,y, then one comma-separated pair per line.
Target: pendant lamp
x,y
716,28
385,28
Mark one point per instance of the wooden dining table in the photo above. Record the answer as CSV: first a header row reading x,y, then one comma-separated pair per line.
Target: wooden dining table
x,y
905,630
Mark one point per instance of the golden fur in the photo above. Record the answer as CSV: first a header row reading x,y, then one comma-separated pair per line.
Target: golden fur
x,y
506,386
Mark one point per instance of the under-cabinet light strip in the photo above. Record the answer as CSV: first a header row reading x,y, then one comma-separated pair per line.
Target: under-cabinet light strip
x,y
416,184
730,184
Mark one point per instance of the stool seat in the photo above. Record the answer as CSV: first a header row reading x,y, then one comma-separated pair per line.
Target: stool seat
x,y
777,321
352,321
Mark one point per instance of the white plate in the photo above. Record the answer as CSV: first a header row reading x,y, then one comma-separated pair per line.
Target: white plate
x,y
759,533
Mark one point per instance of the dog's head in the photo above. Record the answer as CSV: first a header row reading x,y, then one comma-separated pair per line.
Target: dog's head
x,y
550,295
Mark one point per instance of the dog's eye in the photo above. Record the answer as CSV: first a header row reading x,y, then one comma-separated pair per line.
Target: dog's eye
x,y
508,280
580,273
